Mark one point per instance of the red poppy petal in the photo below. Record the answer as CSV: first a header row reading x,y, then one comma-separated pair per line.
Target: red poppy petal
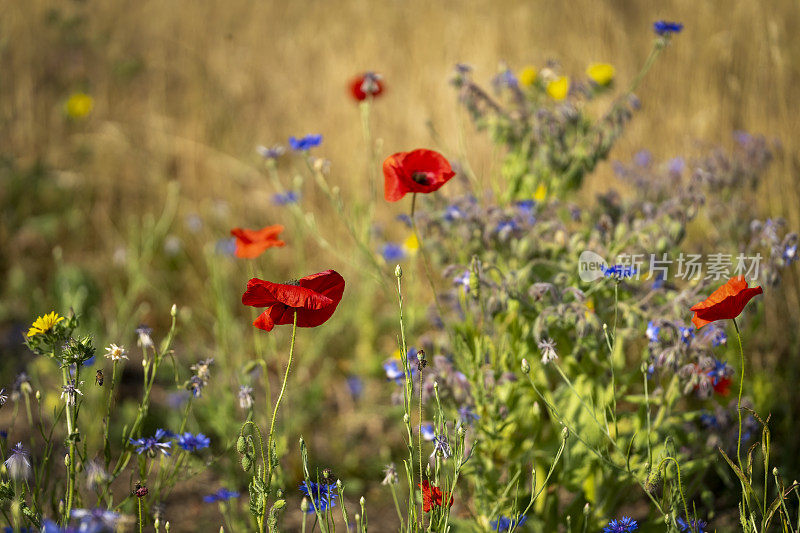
x,y
264,321
393,186
261,293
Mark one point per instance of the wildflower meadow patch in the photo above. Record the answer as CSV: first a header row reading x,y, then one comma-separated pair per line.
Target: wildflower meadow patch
x,y
506,349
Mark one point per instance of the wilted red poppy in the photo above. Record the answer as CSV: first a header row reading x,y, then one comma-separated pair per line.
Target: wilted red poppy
x,y
366,85
725,302
432,496
314,298
416,171
251,243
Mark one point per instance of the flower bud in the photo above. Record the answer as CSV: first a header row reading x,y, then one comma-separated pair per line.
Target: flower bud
x,y
247,463
526,366
398,272
775,471
241,445
166,526
565,433
66,460
586,510
174,311
405,418
362,501
38,395
304,505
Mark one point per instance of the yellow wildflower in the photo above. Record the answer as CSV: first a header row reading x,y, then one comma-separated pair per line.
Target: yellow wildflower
x,y
78,105
558,88
600,73
541,193
527,76
411,244
45,323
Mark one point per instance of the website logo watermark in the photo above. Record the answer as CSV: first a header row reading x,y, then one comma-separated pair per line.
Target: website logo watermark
x,y
717,266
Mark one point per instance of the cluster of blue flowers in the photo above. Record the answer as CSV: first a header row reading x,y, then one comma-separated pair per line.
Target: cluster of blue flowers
x,y
321,495
503,523
152,445
305,143
623,525
285,198
221,495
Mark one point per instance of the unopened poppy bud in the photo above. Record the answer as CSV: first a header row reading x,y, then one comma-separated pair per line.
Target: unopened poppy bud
x,y
362,501
157,523
38,395
436,385
526,366
339,484
398,272
247,463
304,505
66,460
358,518
241,445
166,526
565,433
173,312
586,509
775,471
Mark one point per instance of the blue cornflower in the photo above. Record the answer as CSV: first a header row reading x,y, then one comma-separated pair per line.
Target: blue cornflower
x,y
220,496
691,526
462,281
623,525
466,415
225,246
152,445
665,28
503,523
405,219
192,443
273,152
687,334
790,253
643,158
394,371
393,252
505,227
355,386
305,143
619,271
659,281
717,335
652,331
427,431
3,434
708,420
720,371
452,213
322,494
27,530
441,446
285,198
505,79
676,165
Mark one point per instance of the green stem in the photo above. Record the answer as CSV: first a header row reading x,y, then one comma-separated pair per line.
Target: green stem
x,y
739,400
425,262
139,502
268,472
70,429
106,443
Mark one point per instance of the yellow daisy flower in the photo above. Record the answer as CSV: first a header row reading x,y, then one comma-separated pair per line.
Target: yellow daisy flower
x,y
558,88
45,323
600,73
527,76
78,105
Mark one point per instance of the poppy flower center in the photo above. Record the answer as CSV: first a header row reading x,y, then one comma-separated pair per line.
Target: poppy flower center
x,y
423,178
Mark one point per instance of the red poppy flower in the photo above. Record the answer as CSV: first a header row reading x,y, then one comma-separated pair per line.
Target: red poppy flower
x,y
366,85
416,171
432,495
725,302
314,298
252,243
